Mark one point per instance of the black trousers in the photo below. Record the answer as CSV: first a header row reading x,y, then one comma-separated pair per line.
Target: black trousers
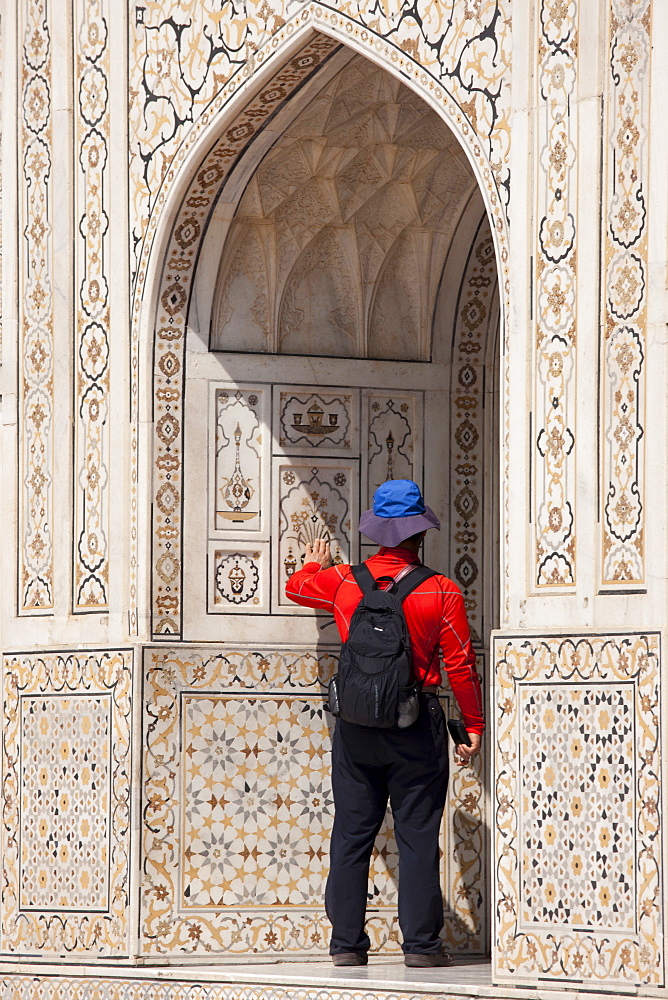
x,y
410,768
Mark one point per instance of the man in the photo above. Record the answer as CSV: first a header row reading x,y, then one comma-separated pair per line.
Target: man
x,y
408,766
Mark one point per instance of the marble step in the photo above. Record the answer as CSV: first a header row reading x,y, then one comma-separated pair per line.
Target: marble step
x,y
382,979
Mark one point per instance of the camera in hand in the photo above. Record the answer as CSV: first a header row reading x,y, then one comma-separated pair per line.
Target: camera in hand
x,y
457,731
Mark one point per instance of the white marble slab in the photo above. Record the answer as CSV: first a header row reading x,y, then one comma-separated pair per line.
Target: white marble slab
x,y
380,980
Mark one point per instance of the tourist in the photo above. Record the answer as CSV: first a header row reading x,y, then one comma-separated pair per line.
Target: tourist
x,y
408,766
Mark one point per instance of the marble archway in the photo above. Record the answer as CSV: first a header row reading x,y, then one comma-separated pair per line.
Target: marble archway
x,y
435,267
337,243
361,234
182,216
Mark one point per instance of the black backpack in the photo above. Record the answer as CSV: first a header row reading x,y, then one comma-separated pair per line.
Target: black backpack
x,y
374,685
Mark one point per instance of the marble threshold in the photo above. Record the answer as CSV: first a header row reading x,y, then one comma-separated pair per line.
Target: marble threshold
x,y
317,979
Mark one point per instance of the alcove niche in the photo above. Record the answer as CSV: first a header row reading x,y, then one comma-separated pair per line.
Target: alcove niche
x,y
342,331
338,243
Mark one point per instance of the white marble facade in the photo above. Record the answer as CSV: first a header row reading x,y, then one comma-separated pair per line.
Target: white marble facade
x,y
261,259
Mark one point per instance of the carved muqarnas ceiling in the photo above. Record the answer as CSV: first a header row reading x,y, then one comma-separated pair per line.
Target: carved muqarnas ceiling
x,y
338,243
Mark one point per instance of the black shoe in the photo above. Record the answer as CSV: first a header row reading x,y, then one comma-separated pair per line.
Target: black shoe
x,y
434,960
350,958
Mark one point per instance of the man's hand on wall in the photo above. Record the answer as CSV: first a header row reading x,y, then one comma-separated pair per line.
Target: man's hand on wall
x,y
319,552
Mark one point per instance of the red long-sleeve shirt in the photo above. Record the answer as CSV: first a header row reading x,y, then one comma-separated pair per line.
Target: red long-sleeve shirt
x,y
434,613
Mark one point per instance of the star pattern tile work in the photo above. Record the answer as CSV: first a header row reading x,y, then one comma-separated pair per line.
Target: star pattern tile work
x,y
258,806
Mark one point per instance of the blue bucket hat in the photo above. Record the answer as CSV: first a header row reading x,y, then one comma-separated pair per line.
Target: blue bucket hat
x,y
398,512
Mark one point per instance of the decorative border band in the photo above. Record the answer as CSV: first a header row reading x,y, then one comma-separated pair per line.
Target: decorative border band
x,y
36,367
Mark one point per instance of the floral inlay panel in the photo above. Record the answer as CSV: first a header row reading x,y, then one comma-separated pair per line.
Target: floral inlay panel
x,y
579,867
304,490
314,501
554,308
624,250
393,433
238,578
242,443
308,420
66,803
36,393
92,347
65,782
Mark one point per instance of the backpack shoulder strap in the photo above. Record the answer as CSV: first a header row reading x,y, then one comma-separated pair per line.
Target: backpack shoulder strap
x,y
412,580
363,578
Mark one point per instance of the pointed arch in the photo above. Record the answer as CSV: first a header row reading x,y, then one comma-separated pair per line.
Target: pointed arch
x,y
240,114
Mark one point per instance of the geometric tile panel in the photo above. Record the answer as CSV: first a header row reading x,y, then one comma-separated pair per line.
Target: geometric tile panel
x,y
578,830
66,803
255,820
210,720
257,807
578,862
64,832
237,812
